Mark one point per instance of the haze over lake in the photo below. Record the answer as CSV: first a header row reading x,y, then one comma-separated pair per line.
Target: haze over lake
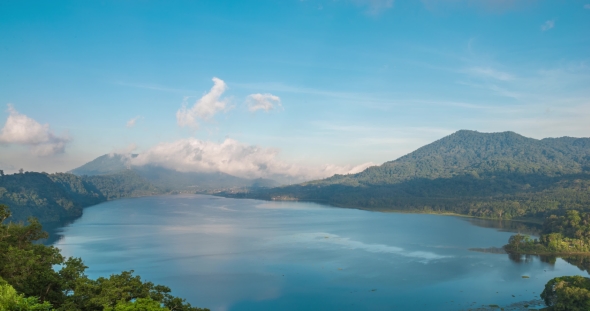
x,y
228,254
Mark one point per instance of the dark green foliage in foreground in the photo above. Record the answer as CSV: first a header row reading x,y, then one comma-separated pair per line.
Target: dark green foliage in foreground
x,y
561,234
567,293
35,285
496,175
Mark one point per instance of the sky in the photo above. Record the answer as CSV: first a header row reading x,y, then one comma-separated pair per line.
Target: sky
x,y
303,88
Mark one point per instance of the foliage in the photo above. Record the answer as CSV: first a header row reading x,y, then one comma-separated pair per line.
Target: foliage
x,y
141,304
561,234
10,300
571,293
29,269
55,197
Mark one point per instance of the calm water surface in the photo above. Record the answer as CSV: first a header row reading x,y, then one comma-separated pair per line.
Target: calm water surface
x,y
228,254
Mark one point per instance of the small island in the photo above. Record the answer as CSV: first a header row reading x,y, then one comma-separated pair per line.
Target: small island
x,y
561,235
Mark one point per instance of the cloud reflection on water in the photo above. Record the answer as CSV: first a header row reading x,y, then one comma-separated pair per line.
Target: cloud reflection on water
x,y
335,240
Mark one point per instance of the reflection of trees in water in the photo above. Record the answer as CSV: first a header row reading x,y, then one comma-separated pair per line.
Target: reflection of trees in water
x,y
508,226
580,261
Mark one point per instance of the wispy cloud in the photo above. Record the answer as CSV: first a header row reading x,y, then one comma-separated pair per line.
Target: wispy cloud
x,y
375,6
264,102
205,108
22,130
587,6
492,6
132,121
489,72
548,25
156,87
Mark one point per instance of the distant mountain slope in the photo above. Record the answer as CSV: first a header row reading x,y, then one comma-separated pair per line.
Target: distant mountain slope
x,y
470,152
55,197
167,179
49,198
496,175
105,164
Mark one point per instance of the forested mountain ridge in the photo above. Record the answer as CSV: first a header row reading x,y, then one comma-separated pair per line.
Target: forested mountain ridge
x,y
474,153
49,198
55,197
492,175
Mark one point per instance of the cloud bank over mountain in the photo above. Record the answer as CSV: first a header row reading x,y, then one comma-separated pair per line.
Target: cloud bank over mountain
x,y
234,158
19,129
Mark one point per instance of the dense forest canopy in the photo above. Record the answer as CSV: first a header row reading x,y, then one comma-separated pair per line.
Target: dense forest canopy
x,y
55,197
565,234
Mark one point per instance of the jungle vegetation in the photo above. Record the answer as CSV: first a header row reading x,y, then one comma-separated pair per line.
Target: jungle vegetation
x,y
568,234
567,293
37,277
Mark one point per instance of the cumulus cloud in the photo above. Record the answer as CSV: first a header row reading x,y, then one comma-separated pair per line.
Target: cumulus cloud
x,y
548,25
375,6
264,102
132,121
22,130
205,108
234,158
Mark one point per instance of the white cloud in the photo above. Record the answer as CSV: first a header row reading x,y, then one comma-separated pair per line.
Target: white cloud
x,y
22,130
375,6
234,158
587,6
548,25
132,121
205,108
264,102
490,73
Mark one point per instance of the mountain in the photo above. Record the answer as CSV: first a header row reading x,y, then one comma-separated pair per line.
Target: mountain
x,y
61,196
493,175
49,198
167,179
103,165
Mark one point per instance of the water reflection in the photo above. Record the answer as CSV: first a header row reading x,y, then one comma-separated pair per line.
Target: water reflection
x,y
528,228
580,261
236,255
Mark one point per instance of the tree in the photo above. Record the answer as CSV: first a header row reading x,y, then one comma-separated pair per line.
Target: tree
x,y
10,300
571,293
32,281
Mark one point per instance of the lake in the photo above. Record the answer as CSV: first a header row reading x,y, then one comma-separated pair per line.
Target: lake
x,y
230,254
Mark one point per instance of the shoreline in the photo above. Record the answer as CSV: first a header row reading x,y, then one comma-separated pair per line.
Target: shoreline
x,y
527,220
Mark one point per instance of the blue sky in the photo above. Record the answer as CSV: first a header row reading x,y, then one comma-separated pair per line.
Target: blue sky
x,y
338,83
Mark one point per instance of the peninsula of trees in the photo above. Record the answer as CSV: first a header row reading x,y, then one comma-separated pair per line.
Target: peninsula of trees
x,y
562,235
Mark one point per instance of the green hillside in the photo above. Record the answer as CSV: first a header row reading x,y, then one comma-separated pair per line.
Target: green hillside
x,y
493,175
103,165
50,198
56,197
